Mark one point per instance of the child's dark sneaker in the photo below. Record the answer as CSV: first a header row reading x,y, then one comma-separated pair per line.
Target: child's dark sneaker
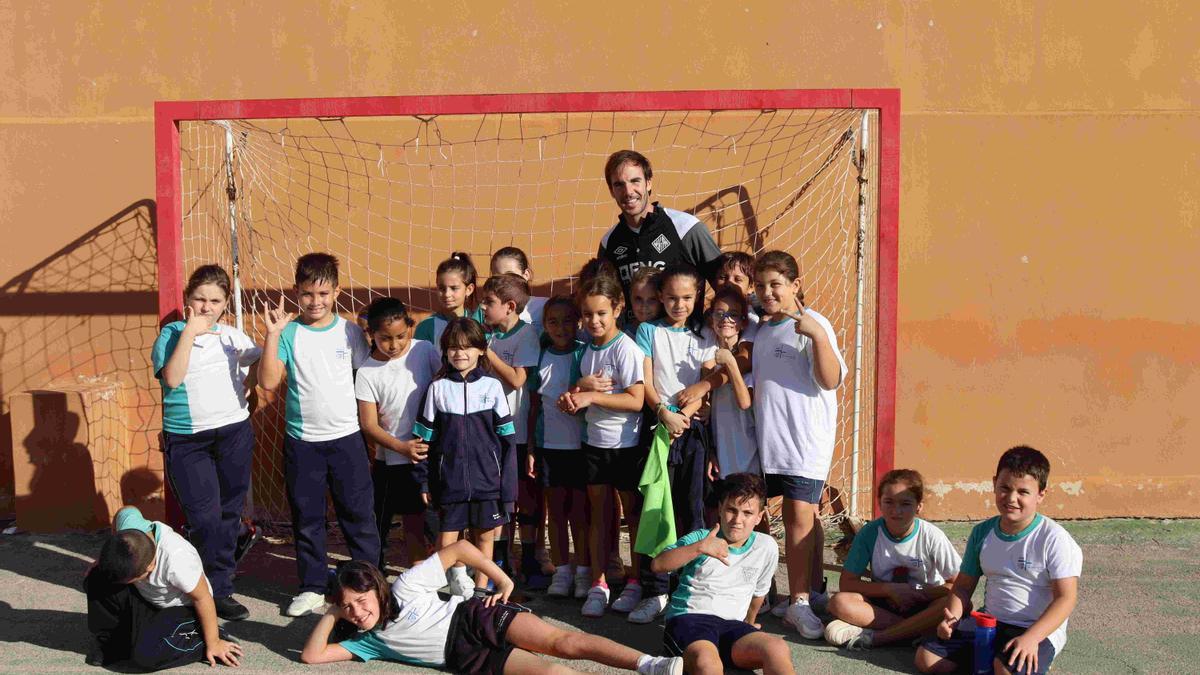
x,y
230,609
249,536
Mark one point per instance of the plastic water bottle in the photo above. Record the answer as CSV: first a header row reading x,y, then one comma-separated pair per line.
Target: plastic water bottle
x,y
985,639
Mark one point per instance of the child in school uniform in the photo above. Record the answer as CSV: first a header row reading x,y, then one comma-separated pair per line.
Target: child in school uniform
x,y
675,351
389,387
323,445
149,601
643,293
208,441
732,418
1032,565
472,457
408,623
454,281
558,440
910,565
512,260
609,386
724,574
513,350
797,368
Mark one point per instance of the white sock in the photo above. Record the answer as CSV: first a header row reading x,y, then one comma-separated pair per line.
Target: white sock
x,y
643,660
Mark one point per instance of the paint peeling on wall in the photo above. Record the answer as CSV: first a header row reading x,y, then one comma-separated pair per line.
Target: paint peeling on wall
x,y
1074,489
942,489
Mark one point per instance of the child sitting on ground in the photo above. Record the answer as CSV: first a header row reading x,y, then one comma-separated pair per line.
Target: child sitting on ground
x,y
724,575
1032,566
411,624
149,601
912,566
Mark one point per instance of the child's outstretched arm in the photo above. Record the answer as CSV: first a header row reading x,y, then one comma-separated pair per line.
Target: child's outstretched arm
x,y
216,650
463,551
672,559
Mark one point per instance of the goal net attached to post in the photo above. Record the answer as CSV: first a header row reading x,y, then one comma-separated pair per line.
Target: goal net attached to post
x,y
392,185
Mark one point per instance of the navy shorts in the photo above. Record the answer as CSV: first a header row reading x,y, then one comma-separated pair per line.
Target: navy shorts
x,y
685,629
563,468
798,488
477,640
960,648
482,515
618,467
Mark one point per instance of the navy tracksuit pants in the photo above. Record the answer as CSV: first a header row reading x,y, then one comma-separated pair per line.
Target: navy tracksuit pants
x,y
210,475
341,467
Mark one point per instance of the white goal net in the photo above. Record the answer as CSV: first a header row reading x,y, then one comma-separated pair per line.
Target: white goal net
x,y
392,196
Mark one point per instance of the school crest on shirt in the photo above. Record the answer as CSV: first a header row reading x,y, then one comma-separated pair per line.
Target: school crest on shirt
x,y
341,353
782,352
1028,565
750,574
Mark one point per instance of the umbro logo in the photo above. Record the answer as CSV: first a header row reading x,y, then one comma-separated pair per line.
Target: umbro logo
x,y
660,243
621,250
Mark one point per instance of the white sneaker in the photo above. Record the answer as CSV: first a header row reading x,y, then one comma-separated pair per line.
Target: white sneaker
x,y
838,632
460,582
649,609
818,601
596,603
561,583
800,616
629,598
305,603
583,581
781,607
662,665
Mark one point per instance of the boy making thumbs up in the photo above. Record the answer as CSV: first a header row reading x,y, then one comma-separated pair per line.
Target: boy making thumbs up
x,y
724,576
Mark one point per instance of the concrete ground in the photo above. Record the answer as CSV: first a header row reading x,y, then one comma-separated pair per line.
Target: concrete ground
x,y
1139,608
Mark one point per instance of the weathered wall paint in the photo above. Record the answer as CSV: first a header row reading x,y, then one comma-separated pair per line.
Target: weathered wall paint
x,y
1048,207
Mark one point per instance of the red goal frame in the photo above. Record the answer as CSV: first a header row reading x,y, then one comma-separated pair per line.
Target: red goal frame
x,y
169,235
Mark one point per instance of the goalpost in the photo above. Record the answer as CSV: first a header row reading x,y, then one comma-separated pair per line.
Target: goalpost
x,y
392,184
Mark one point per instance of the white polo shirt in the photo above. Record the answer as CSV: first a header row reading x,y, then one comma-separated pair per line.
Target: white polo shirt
x,y
320,362
213,392
519,348
709,586
622,361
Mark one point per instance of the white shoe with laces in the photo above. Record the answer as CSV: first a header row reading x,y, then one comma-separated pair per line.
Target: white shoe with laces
x,y
662,665
838,632
562,583
305,603
800,616
649,609
629,598
596,603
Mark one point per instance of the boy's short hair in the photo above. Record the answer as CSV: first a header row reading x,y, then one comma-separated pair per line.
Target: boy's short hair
x,y
313,268
739,259
1025,461
509,287
125,556
742,486
912,479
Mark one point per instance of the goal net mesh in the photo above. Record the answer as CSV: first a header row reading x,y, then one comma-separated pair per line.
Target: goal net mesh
x,y
393,196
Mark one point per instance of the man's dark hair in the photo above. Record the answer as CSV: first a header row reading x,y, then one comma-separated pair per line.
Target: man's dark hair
x,y
125,556
742,486
1025,461
623,157
313,268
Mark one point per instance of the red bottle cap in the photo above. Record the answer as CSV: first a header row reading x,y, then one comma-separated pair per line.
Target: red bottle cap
x,y
984,620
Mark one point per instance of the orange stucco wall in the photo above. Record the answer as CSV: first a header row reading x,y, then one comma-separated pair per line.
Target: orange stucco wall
x,y
1048,205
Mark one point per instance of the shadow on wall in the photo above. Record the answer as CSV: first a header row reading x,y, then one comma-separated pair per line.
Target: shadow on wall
x,y
88,313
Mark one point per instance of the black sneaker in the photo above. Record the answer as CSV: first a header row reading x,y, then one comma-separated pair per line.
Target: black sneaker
x,y
230,609
95,655
246,540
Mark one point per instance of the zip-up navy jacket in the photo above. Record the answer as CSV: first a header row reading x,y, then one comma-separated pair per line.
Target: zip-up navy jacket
x,y
472,456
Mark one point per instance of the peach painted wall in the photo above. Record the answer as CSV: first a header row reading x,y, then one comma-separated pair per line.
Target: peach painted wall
x,y
1048,201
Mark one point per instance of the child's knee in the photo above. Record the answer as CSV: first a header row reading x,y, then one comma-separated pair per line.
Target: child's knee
x,y
928,662
842,602
702,656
